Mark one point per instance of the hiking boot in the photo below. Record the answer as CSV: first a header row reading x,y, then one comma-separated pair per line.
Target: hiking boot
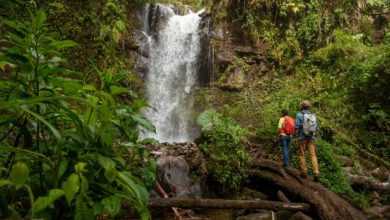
x,y
316,177
303,175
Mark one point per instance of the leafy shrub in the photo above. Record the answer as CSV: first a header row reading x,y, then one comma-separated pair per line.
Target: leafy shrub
x,y
61,141
332,174
223,145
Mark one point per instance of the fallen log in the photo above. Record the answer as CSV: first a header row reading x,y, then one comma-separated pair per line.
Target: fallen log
x,y
365,182
326,204
228,204
282,196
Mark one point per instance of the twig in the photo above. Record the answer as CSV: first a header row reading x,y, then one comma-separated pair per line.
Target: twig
x,y
165,195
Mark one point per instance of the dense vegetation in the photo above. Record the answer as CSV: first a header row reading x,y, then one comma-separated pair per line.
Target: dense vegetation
x,y
224,149
67,147
69,108
334,53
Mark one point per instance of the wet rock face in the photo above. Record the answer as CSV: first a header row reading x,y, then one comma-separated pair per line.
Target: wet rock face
x,y
176,164
206,55
173,173
237,61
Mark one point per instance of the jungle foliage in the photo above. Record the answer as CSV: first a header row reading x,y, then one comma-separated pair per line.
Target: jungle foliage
x,y
333,53
223,146
68,148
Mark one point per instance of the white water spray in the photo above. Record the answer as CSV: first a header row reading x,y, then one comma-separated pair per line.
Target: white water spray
x,y
172,76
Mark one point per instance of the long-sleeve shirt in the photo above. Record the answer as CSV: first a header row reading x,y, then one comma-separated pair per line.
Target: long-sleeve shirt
x,y
299,126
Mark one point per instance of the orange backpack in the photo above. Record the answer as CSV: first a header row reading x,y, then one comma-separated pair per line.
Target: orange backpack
x,y
289,125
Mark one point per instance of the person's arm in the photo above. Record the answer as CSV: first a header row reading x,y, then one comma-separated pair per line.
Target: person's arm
x,y
298,124
280,125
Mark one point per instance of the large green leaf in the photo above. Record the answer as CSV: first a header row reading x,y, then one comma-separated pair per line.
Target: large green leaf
x,y
40,118
71,187
144,122
22,152
44,201
40,19
109,167
136,190
19,174
5,182
207,119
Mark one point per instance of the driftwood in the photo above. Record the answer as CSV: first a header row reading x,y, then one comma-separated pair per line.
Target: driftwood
x,y
228,204
326,204
365,182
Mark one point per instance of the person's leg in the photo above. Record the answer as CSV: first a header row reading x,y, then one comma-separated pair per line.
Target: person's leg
x,y
284,144
313,157
302,159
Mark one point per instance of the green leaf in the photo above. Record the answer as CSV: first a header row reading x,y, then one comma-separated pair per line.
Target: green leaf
x,y
120,76
23,152
89,88
115,90
138,104
106,162
16,26
58,45
110,173
112,205
207,118
97,208
43,202
50,126
71,187
84,186
80,167
40,19
82,211
144,122
5,182
109,167
137,191
63,166
19,174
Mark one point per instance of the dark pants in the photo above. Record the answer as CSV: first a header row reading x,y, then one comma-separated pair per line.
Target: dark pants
x,y
284,142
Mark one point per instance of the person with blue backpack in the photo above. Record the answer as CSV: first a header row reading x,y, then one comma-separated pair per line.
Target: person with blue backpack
x,y
306,127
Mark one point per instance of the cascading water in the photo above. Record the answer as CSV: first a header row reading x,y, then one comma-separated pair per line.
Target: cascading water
x,y
172,75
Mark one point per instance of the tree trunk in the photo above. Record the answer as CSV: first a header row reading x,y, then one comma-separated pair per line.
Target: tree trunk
x,y
326,204
228,204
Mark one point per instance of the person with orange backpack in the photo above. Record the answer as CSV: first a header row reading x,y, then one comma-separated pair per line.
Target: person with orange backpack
x,y
286,130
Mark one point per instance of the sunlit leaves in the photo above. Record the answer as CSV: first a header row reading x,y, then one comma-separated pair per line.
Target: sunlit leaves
x,y
44,201
19,174
71,187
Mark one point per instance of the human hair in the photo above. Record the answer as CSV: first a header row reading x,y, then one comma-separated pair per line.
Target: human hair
x,y
284,112
305,105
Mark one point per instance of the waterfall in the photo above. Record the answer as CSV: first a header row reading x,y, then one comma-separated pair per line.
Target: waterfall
x,y
172,73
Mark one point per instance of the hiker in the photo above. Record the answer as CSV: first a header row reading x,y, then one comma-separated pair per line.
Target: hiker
x,y
285,129
306,127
